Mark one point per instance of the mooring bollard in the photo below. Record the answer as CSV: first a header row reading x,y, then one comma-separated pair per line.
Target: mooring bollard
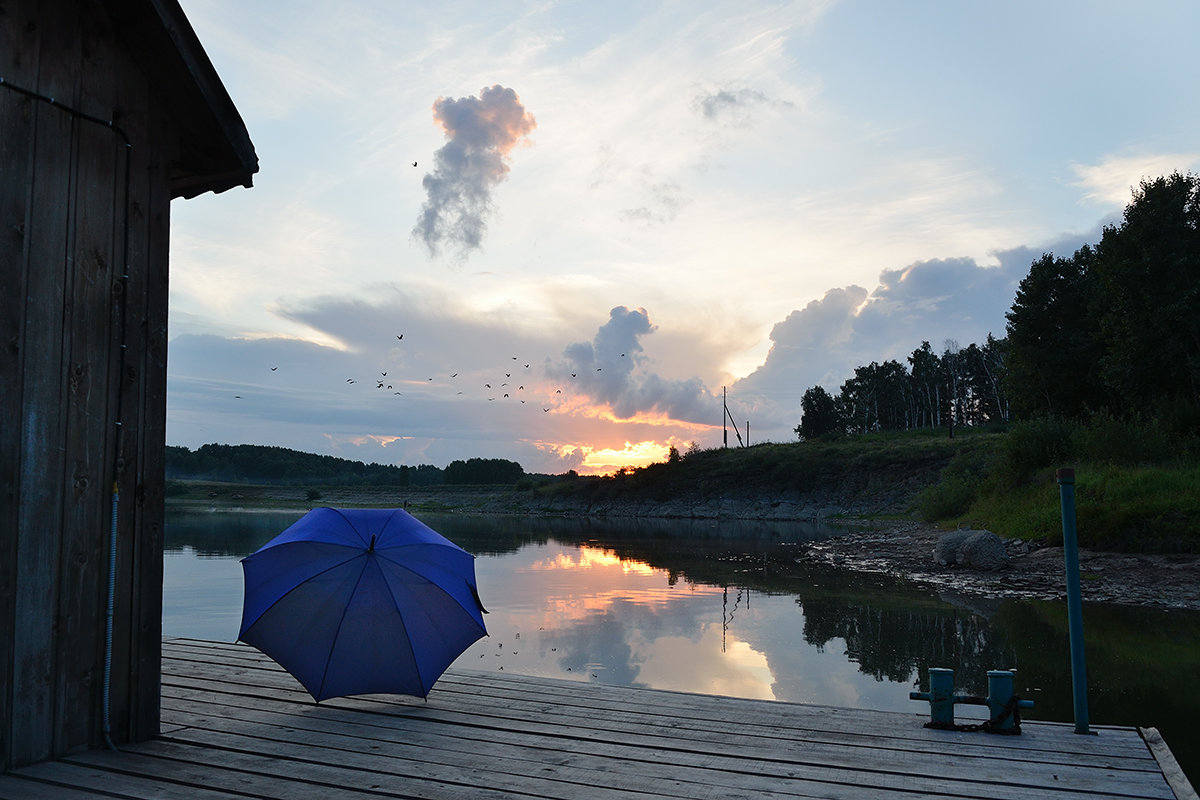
x,y
1003,713
940,695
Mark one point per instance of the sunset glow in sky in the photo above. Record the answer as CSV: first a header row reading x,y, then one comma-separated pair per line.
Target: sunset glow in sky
x,y
586,219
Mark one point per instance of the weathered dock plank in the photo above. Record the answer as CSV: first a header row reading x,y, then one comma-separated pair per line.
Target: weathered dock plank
x,y
235,725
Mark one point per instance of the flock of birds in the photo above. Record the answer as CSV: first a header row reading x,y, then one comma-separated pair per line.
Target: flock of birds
x,y
509,383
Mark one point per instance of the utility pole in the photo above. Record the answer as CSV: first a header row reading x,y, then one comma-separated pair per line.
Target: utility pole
x,y
724,416
729,418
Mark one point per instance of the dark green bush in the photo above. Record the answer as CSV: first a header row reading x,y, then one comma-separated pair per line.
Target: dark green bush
x,y
958,487
1109,440
1036,443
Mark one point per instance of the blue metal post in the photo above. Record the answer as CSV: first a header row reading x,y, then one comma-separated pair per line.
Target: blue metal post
x,y
1066,484
940,696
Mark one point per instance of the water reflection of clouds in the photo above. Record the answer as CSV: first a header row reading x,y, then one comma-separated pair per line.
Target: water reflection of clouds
x,y
581,612
711,662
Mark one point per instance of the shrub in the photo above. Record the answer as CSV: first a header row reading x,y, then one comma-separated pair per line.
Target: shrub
x,y
313,494
1109,440
1034,444
958,486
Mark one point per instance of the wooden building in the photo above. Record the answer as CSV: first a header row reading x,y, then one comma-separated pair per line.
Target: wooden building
x,y
109,109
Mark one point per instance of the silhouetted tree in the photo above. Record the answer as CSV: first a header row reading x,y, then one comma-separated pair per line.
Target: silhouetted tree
x,y
1051,350
818,414
1147,303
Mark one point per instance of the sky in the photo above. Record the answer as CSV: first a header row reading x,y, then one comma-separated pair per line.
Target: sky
x,y
568,234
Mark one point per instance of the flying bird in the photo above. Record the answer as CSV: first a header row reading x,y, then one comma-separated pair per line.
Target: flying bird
x,y
274,368
400,336
414,163
572,374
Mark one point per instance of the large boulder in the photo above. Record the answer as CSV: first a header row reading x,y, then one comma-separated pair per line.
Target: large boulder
x,y
982,550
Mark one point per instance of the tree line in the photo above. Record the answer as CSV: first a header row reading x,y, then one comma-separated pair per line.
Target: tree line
x,y
280,466
1113,329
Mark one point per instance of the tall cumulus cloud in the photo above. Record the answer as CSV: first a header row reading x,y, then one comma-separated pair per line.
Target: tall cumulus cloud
x,y
610,368
481,132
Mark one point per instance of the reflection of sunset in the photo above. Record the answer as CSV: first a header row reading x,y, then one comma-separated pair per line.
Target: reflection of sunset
x,y
581,582
594,558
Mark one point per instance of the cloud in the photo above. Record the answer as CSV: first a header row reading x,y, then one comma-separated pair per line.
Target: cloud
x,y
932,300
666,200
611,370
481,132
1114,180
735,107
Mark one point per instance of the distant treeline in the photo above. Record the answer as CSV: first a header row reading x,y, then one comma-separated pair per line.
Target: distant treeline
x,y
280,466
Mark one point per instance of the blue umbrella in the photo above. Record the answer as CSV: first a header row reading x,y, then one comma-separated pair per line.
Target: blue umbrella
x,y
359,601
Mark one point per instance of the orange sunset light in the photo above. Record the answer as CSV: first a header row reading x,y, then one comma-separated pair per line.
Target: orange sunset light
x,y
594,558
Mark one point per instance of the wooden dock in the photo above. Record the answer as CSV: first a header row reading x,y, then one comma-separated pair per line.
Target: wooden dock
x,y
234,725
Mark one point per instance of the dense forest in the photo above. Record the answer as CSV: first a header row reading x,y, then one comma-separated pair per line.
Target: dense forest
x,y
279,466
1112,330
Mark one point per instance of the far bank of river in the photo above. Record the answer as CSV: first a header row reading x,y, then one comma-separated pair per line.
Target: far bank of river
x,y
506,500
849,539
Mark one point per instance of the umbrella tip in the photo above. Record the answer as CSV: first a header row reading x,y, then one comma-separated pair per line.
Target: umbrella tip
x,y
372,547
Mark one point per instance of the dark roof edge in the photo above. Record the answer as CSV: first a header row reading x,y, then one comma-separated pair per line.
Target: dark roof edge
x,y
209,85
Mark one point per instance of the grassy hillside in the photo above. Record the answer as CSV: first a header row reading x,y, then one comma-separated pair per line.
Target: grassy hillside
x,y
1135,489
1137,485
878,474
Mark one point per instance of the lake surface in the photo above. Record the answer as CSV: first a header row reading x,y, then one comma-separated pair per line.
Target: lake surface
x,y
723,608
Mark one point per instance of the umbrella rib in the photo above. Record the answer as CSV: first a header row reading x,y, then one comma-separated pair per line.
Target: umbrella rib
x,y
408,639
338,631
434,584
281,597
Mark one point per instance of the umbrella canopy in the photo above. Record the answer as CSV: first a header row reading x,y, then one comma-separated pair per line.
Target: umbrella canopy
x,y
359,601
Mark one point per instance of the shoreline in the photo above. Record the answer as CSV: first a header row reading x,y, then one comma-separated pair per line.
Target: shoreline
x,y
905,549
897,547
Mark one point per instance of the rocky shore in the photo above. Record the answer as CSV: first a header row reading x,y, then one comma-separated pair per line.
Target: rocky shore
x,y
1033,571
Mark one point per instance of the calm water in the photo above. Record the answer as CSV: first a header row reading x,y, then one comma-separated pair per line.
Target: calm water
x,y
723,609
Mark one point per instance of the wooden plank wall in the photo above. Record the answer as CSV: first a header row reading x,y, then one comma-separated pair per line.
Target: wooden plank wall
x,y
66,311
